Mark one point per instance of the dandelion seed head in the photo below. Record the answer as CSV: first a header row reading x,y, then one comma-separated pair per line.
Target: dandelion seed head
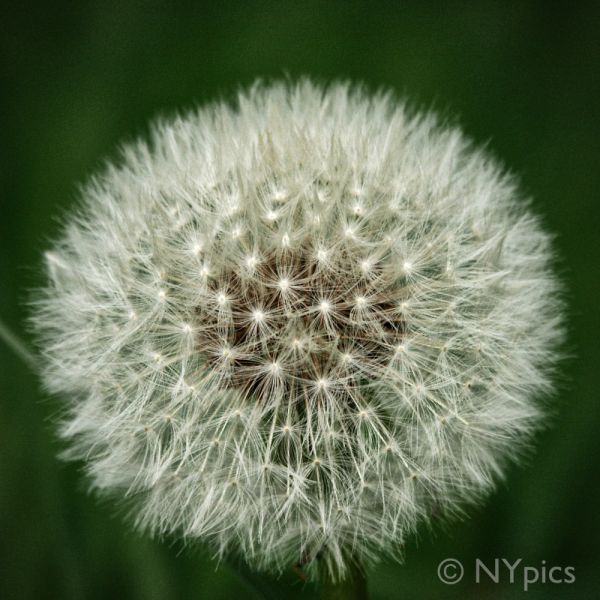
x,y
299,325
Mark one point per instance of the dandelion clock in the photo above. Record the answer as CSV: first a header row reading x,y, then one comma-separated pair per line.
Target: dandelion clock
x,y
294,326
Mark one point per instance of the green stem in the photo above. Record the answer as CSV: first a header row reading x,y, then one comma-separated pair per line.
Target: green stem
x,y
18,346
353,587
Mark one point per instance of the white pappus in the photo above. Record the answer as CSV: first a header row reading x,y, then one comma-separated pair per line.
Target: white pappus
x,y
296,325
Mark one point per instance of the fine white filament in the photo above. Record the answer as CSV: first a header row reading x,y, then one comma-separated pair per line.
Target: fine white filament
x,y
297,325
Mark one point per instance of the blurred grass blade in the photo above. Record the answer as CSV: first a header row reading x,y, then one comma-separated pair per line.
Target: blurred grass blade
x,y
17,345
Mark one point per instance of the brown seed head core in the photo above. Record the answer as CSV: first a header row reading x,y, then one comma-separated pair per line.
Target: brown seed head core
x,y
294,324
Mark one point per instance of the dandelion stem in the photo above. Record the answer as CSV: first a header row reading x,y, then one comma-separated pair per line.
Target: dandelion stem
x,y
18,346
353,587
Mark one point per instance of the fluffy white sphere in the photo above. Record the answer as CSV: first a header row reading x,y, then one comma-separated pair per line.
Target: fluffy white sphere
x,y
297,326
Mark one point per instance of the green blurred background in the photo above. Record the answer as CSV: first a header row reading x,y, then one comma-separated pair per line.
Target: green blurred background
x,y
76,79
